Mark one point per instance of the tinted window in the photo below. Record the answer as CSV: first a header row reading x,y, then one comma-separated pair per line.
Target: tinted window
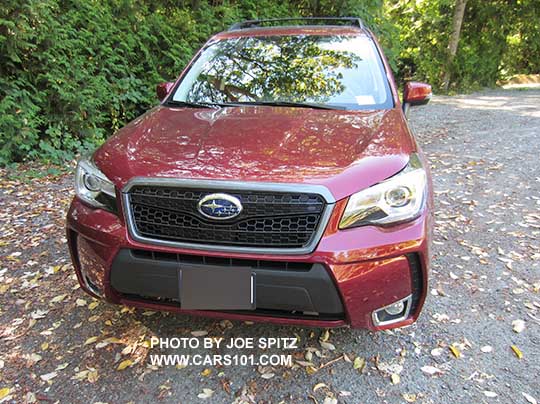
x,y
341,71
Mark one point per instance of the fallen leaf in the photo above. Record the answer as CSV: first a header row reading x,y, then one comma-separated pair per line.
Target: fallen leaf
x,y
80,302
517,351
4,392
107,341
490,394
124,364
48,376
58,299
319,386
529,398
90,340
324,336
93,305
395,378
410,398
518,325
455,351
206,393
149,313
330,400
32,359
311,370
200,333
226,324
267,375
81,375
431,370
226,384
30,398
92,376
486,349
38,314
359,363
309,356
327,345
206,372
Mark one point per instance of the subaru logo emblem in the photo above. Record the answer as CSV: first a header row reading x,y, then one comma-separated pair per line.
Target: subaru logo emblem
x,y
220,206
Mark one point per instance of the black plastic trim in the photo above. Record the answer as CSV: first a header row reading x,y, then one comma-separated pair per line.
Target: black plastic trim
x,y
286,290
417,280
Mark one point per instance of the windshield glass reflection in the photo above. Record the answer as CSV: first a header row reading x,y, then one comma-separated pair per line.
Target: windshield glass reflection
x,y
340,71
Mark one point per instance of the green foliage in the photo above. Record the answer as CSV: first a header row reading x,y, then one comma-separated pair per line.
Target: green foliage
x,y
522,55
498,38
74,71
422,37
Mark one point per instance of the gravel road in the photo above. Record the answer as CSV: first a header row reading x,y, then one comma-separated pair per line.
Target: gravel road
x,y
477,340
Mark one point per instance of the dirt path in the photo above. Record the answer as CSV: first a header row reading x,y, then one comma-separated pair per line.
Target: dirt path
x,y
56,345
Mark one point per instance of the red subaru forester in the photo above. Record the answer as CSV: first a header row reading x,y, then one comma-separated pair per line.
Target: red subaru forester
x,y
277,181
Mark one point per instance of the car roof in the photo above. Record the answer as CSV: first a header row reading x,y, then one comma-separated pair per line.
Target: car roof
x,y
292,30
330,26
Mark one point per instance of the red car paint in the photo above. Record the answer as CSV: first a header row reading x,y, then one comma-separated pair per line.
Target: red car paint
x,y
346,151
417,92
331,148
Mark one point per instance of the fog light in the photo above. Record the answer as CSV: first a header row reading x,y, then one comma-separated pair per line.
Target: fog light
x,y
393,313
395,309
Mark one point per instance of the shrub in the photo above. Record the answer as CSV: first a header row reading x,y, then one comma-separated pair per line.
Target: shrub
x,y
73,71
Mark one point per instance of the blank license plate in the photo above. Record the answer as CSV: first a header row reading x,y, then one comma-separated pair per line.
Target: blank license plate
x,y
203,288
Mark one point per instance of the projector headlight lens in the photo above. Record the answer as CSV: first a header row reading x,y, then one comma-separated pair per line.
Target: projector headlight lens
x,y
397,199
93,187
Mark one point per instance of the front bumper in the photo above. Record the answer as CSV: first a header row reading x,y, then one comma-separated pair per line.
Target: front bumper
x,y
367,268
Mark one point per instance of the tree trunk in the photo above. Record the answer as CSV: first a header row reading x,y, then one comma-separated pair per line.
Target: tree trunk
x,y
459,12
315,9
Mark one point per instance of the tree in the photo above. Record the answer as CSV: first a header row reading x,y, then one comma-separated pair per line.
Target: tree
x,y
459,12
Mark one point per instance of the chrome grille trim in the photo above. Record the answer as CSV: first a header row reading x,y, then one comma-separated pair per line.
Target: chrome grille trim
x,y
232,186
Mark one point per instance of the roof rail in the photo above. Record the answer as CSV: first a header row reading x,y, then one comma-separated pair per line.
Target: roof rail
x,y
353,21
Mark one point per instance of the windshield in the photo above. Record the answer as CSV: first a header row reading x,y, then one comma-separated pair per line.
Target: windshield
x,y
340,71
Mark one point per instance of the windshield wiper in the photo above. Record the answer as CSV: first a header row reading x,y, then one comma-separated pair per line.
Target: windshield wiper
x,y
189,104
285,104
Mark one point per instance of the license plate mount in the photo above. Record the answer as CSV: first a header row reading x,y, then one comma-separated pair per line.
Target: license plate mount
x,y
204,288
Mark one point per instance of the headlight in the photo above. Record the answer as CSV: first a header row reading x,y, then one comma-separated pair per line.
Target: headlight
x,y
93,187
397,199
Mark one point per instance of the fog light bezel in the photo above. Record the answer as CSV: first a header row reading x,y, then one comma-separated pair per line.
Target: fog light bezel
x,y
407,301
87,283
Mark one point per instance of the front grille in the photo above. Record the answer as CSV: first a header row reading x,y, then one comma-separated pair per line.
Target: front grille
x,y
268,219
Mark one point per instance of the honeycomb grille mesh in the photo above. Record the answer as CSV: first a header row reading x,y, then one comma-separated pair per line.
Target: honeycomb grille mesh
x,y
268,219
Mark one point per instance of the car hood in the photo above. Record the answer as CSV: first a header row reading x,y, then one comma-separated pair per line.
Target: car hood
x,y
345,151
